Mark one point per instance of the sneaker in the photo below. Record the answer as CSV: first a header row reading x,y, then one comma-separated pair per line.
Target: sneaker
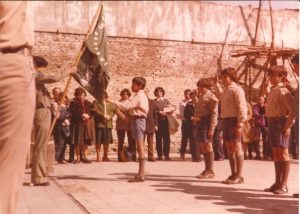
x,y
236,180
206,174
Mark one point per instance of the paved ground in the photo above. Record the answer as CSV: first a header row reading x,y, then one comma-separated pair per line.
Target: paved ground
x,y
171,187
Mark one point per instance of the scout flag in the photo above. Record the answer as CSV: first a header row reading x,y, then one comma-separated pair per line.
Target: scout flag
x,y
92,70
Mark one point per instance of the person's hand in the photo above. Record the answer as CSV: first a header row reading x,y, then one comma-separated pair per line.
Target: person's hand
x,y
286,132
162,113
107,117
86,116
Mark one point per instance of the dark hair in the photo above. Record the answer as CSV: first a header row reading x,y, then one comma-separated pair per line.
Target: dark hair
x,y
278,70
125,90
295,59
79,91
159,89
140,81
187,91
204,82
66,97
230,72
40,61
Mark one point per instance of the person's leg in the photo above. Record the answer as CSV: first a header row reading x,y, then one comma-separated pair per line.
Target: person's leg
x,y
98,148
105,148
208,153
278,175
60,145
132,145
77,151
121,138
184,139
39,158
85,154
158,136
166,140
17,104
150,146
139,133
284,168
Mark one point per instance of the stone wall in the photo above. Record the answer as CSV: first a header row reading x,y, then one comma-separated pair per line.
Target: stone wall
x,y
174,65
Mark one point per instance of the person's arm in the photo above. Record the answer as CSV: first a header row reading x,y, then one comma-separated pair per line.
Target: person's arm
x,y
41,78
289,103
213,107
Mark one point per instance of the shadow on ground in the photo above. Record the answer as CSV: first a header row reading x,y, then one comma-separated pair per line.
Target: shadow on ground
x,y
254,201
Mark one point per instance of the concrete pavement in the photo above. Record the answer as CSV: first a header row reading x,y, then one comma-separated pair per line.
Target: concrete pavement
x,y
170,187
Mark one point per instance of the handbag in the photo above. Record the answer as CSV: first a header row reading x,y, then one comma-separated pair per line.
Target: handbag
x,y
173,124
89,134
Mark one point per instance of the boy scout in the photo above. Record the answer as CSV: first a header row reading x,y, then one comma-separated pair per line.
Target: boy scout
x,y
233,115
206,115
281,113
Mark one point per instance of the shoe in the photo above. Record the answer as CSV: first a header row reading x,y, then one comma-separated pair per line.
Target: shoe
x,y
151,159
86,161
236,180
62,162
281,190
76,161
70,161
42,184
159,158
105,159
271,188
296,195
137,178
227,180
167,158
195,160
182,157
206,174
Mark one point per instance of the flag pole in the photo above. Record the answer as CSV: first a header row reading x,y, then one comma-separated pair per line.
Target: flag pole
x,y
90,30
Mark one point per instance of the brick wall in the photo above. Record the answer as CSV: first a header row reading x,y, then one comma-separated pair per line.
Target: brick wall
x,y
174,65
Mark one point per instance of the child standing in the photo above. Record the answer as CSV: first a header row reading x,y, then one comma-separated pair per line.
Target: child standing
x,y
281,113
139,107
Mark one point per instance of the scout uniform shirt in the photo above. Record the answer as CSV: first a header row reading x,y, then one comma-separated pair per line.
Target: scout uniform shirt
x,y
207,104
280,103
233,102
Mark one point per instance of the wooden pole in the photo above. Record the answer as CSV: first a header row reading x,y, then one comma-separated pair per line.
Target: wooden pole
x,y
257,21
90,30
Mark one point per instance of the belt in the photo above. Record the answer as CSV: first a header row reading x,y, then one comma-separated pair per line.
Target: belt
x,y
139,117
20,50
40,107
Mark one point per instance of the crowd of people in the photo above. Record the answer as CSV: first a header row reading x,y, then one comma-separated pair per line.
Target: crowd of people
x,y
217,122
211,115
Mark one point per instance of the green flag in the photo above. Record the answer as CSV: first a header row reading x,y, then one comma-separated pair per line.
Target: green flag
x,y
92,70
